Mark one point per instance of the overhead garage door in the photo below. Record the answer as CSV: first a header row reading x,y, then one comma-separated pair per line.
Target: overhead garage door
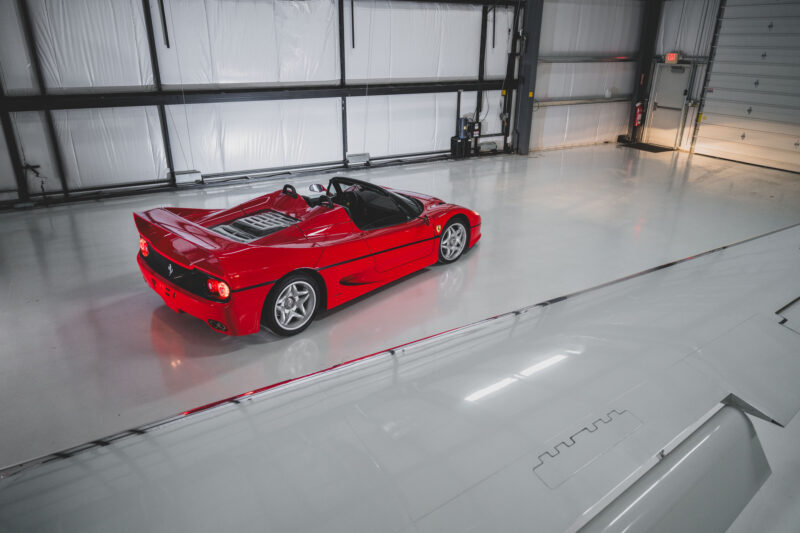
x,y
752,105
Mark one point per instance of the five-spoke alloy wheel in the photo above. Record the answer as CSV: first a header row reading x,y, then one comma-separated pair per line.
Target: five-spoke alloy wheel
x,y
453,241
291,305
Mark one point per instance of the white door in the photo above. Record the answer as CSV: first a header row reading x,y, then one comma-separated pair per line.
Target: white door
x,y
667,105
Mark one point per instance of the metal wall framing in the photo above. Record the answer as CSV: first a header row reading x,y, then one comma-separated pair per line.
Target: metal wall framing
x,y
651,18
46,102
528,64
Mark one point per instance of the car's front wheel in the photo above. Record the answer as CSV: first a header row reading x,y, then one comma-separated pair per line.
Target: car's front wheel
x,y
453,241
291,305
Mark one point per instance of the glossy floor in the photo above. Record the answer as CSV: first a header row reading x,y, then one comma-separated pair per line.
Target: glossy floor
x,y
533,421
88,349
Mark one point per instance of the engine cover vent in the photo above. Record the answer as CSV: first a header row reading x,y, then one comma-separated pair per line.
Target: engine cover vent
x,y
253,227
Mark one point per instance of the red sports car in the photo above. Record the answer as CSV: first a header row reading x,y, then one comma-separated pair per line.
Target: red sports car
x,y
280,258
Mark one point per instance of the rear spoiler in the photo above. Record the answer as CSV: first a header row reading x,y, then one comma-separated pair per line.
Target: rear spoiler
x,y
183,241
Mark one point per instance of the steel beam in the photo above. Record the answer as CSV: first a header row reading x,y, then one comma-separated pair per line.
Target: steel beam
x,y
509,3
551,102
162,113
651,18
13,153
30,43
528,62
202,96
586,59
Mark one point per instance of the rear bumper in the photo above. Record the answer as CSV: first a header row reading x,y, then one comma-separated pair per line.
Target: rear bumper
x,y
241,315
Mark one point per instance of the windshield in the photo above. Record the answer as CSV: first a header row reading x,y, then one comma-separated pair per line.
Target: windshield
x,y
412,206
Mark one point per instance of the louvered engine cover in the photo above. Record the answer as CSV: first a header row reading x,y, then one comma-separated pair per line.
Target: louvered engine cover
x,y
253,227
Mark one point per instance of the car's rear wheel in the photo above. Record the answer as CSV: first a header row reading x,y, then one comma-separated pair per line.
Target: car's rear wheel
x,y
291,305
453,241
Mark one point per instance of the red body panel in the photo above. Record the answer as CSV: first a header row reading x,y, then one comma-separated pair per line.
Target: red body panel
x,y
325,241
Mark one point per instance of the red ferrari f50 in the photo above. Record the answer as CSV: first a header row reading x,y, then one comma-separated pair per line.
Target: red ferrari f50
x,y
280,258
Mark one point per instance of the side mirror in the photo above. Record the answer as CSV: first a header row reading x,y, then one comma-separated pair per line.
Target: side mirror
x,y
316,188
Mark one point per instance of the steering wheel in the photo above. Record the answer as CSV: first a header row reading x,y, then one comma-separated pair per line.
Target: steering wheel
x,y
326,201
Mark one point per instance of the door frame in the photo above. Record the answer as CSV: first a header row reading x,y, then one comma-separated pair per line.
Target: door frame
x,y
684,108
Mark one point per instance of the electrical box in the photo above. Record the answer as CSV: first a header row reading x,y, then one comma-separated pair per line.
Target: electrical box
x,y
465,126
460,148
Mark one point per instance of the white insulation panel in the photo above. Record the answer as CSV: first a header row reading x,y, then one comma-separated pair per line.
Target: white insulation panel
x,y
110,146
590,27
92,43
574,125
7,180
254,42
499,24
566,80
687,26
237,136
412,41
403,124
490,113
16,71
36,150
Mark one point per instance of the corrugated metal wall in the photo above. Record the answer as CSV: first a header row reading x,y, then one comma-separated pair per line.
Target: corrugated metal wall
x,y
590,28
752,99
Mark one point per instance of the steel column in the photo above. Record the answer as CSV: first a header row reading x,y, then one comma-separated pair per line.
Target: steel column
x,y
651,18
13,152
528,62
509,83
162,113
481,69
33,52
343,75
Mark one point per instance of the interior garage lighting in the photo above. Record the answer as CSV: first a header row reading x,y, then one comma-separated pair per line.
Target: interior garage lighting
x,y
477,395
542,365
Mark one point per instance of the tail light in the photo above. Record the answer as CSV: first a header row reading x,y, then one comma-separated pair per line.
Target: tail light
x,y
219,288
143,247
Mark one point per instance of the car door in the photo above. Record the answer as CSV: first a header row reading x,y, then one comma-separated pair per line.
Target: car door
x,y
396,246
398,238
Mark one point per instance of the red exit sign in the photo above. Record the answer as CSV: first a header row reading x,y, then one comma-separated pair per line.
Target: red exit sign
x,y
671,57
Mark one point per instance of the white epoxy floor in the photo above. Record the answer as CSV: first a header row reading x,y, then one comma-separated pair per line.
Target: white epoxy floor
x,y
88,350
